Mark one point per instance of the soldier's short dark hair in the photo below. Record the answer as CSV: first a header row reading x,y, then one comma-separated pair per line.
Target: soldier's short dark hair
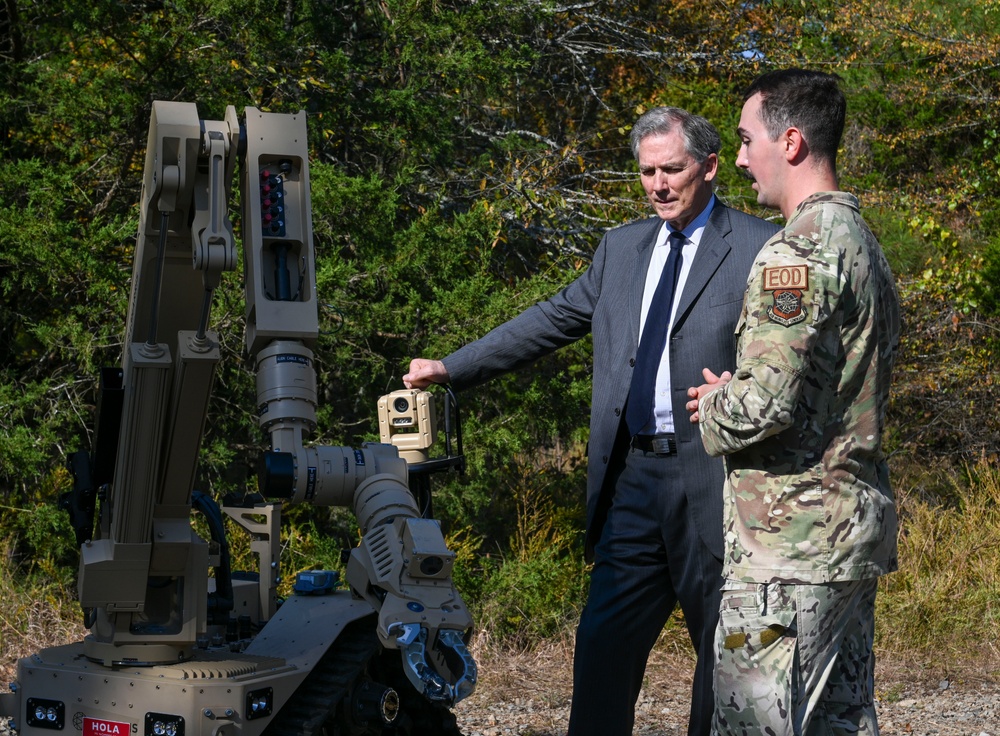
x,y
808,100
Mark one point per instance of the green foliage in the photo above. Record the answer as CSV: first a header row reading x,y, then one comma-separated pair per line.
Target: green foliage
x,y
537,589
988,288
944,380
465,160
40,545
527,601
315,541
44,542
59,280
905,249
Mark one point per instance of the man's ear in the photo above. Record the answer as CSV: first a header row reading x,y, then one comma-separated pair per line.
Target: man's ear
x,y
711,166
794,144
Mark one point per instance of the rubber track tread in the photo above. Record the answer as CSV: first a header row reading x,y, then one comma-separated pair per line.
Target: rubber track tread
x,y
317,698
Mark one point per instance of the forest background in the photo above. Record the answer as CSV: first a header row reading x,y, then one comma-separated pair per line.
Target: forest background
x,y
466,157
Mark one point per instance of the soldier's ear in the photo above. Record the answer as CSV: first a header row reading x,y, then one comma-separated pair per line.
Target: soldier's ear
x,y
793,145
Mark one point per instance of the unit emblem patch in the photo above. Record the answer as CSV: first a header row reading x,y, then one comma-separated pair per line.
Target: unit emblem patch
x,y
787,285
787,307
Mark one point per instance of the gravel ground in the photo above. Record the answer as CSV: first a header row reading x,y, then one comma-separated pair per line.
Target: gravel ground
x,y
528,695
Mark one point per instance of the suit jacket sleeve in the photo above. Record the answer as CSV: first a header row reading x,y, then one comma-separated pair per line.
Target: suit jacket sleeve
x,y
536,332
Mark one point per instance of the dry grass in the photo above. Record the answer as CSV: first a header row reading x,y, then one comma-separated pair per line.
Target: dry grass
x,y
28,624
940,612
506,675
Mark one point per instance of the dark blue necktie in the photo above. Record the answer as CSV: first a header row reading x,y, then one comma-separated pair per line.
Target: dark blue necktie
x,y
654,338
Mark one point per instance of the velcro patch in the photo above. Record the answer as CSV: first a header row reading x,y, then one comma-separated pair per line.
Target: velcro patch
x,y
771,634
786,277
787,308
735,641
787,285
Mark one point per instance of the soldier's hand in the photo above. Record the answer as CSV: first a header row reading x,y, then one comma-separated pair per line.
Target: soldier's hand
x,y
695,393
424,372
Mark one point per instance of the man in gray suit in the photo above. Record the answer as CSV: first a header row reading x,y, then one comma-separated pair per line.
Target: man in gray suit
x,y
661,299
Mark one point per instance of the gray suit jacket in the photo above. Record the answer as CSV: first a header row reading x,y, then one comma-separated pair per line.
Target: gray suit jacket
x,y
606,301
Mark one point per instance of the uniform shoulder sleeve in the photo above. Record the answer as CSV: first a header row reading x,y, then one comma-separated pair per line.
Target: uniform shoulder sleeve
x,y
793,293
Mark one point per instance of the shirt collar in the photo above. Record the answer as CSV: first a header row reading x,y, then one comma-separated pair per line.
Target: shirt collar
x,y
694,228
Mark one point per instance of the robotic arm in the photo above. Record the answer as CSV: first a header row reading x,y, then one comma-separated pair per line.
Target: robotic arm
x,y
144,573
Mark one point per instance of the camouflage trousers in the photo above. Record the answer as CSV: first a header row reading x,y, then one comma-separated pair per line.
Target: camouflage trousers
x,y
795,660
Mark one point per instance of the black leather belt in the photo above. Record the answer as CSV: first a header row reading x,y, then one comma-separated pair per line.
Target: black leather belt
x,y
658,444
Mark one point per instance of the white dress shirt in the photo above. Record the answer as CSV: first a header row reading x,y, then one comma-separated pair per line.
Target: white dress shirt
x,y
662,420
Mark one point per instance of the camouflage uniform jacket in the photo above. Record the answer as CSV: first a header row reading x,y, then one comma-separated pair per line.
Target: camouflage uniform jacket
x,y
807,490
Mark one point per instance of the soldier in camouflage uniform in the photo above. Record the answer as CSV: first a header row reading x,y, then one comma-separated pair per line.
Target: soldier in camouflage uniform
x,y
810,519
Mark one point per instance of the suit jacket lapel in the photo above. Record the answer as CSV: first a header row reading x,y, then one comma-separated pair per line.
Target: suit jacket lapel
x,y
644,247
712,251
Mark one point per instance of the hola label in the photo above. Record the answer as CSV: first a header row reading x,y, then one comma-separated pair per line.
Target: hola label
x,y
99,727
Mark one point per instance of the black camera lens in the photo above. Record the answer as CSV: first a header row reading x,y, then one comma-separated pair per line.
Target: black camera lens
x,y
401,405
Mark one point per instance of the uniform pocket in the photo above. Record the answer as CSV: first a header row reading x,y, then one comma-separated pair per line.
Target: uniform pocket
x,y
754,616
755,650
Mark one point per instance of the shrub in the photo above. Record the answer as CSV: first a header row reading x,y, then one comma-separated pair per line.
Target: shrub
x,y
943,604
535,590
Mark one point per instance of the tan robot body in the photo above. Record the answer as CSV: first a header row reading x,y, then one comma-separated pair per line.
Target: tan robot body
x,y
173,651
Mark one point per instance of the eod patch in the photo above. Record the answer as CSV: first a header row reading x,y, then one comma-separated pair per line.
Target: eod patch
x,y
787,285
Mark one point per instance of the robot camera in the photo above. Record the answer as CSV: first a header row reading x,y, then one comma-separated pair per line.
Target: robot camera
x,y
402,405
407,420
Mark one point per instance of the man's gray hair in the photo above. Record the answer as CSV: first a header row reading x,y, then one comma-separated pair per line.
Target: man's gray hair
x,y
701,139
